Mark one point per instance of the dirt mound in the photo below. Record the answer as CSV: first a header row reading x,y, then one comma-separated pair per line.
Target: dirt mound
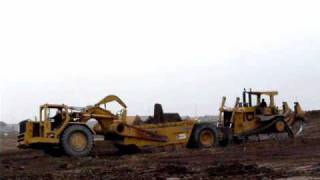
x,y
313,114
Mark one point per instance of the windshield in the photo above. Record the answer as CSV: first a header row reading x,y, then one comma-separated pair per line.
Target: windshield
x,y
51,113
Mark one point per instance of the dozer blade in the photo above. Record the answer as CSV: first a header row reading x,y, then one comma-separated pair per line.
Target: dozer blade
x,y
297,128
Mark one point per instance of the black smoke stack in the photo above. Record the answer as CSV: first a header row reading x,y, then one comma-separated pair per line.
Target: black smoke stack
x,y
158,113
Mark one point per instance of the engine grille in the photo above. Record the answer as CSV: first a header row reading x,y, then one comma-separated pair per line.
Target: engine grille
x,y
22,126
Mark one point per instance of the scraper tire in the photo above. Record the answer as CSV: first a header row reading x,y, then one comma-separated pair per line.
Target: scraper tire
x,y
205,136
77,141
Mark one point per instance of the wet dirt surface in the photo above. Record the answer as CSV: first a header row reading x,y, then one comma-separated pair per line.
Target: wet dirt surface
x,y
268,159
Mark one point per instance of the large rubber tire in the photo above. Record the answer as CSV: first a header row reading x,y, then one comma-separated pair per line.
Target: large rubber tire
x,y
77,141
204,136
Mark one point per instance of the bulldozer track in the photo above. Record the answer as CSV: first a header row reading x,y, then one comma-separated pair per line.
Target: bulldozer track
x,y
262,129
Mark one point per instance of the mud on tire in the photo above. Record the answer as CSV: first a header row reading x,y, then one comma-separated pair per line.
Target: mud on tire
x,y
77,141
204,136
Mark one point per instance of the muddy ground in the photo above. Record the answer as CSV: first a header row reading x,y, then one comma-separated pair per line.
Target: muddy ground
x,y
268,159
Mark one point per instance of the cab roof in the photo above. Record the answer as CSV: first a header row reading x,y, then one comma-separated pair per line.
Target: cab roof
x,y
269,93
53,105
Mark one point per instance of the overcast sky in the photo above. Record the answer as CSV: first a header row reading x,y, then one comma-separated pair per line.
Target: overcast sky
x,y
183,54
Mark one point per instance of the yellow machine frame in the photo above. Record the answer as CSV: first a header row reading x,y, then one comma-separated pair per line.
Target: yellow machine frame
x,y
244,119
113,127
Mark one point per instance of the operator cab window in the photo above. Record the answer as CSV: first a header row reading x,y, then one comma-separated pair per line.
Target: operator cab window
x,y
53,113
265,102
56,117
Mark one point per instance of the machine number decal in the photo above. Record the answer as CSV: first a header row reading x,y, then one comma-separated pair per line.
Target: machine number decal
x,y
181,136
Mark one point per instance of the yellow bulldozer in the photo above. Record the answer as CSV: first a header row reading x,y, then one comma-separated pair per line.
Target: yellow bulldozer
x,y
66,127
257,114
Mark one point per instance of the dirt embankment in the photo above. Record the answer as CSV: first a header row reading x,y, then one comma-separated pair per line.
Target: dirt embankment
x,y
269,159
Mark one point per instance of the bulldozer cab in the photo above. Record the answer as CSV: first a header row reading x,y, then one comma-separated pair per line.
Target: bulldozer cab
x,y
262,101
